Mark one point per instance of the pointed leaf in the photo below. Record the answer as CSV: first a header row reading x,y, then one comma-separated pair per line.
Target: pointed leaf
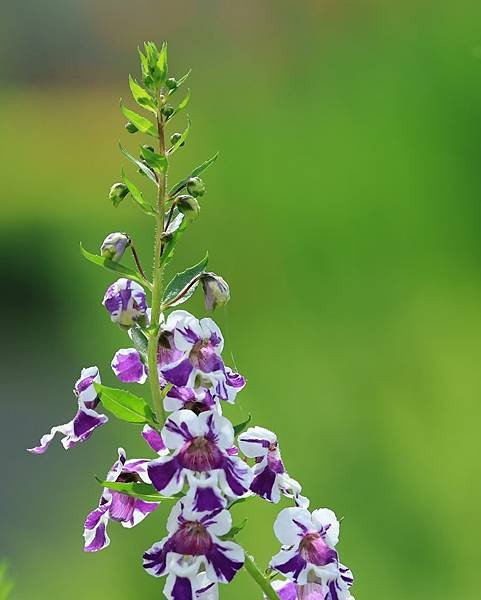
x,y
125,405
183,79
181,140
162,63
143,491
196,172
142,124
116,267
141,96
138,196
139,340
235,529
183,282
182,104
238,429
154,160
145,170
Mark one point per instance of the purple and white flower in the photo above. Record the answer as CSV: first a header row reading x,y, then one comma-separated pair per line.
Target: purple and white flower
x,y
309,541
128,366
125,509
270,477
192,546
191,356
337,589
126,302
202,446
86,419
197,400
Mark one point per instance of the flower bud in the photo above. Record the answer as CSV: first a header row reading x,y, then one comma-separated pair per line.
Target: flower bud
x,y
196,186
126,302
147,147
117,193
175,137
114,246
131,128
216,290
171,83
188,206
168,110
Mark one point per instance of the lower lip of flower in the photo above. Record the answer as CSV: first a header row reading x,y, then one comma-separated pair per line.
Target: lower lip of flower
x,y
122,507
315,550
192,538
200,455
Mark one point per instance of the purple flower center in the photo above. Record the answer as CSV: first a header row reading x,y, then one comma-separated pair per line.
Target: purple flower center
x,y
192,538
200,455
314,549
202,355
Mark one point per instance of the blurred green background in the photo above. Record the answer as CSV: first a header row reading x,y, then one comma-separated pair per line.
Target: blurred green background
x,y
344,211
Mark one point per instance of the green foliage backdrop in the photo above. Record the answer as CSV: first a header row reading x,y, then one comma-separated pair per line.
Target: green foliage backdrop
x,y
345,212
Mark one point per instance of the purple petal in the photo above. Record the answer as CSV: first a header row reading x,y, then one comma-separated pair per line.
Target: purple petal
x,y
95,530
155,559
128,367
179,375
238,475
166,475
263,484
292,567
182,589
225,566
154,439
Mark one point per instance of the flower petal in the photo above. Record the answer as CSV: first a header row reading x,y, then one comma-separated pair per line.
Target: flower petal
x,y
291,524
166,475
128,366
154,439
291,564
235,477
224,560
95,529
255,441
326,521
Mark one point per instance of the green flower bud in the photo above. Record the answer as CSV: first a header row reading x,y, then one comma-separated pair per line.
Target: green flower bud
x,y
131,128
216,290
117,193
188,206
175,137
146,147
171,83
168,110
196,187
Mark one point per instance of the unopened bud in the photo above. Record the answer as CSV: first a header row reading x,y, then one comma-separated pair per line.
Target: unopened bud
x,y
168,110
188,206
171,83
196,186
216,290
175,137
131,128
114,246
117,193
126,302
146,147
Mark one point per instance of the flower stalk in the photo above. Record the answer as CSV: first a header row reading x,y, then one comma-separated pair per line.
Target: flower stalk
x,y
157,276
256,574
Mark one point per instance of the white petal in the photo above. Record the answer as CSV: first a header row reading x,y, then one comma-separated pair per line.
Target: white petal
x,y
250,442
289,524
177,425
324,518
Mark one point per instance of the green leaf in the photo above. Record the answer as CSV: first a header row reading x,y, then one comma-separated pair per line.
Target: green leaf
x,y
138,196
181,140
143,491
154,160
182,104
139,340
197,171
171,241
234,530
141,96
6,582
110,265
181,281
139,164
142,124
238,429
125,405
162,66
183,79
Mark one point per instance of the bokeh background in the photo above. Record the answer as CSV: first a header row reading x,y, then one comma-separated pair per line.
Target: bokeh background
x,y
344,210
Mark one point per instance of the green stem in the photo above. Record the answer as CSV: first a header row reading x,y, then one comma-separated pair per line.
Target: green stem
x,y
253,570
158,280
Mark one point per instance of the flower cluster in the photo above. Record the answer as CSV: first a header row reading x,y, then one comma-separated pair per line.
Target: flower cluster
x,y
201,462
